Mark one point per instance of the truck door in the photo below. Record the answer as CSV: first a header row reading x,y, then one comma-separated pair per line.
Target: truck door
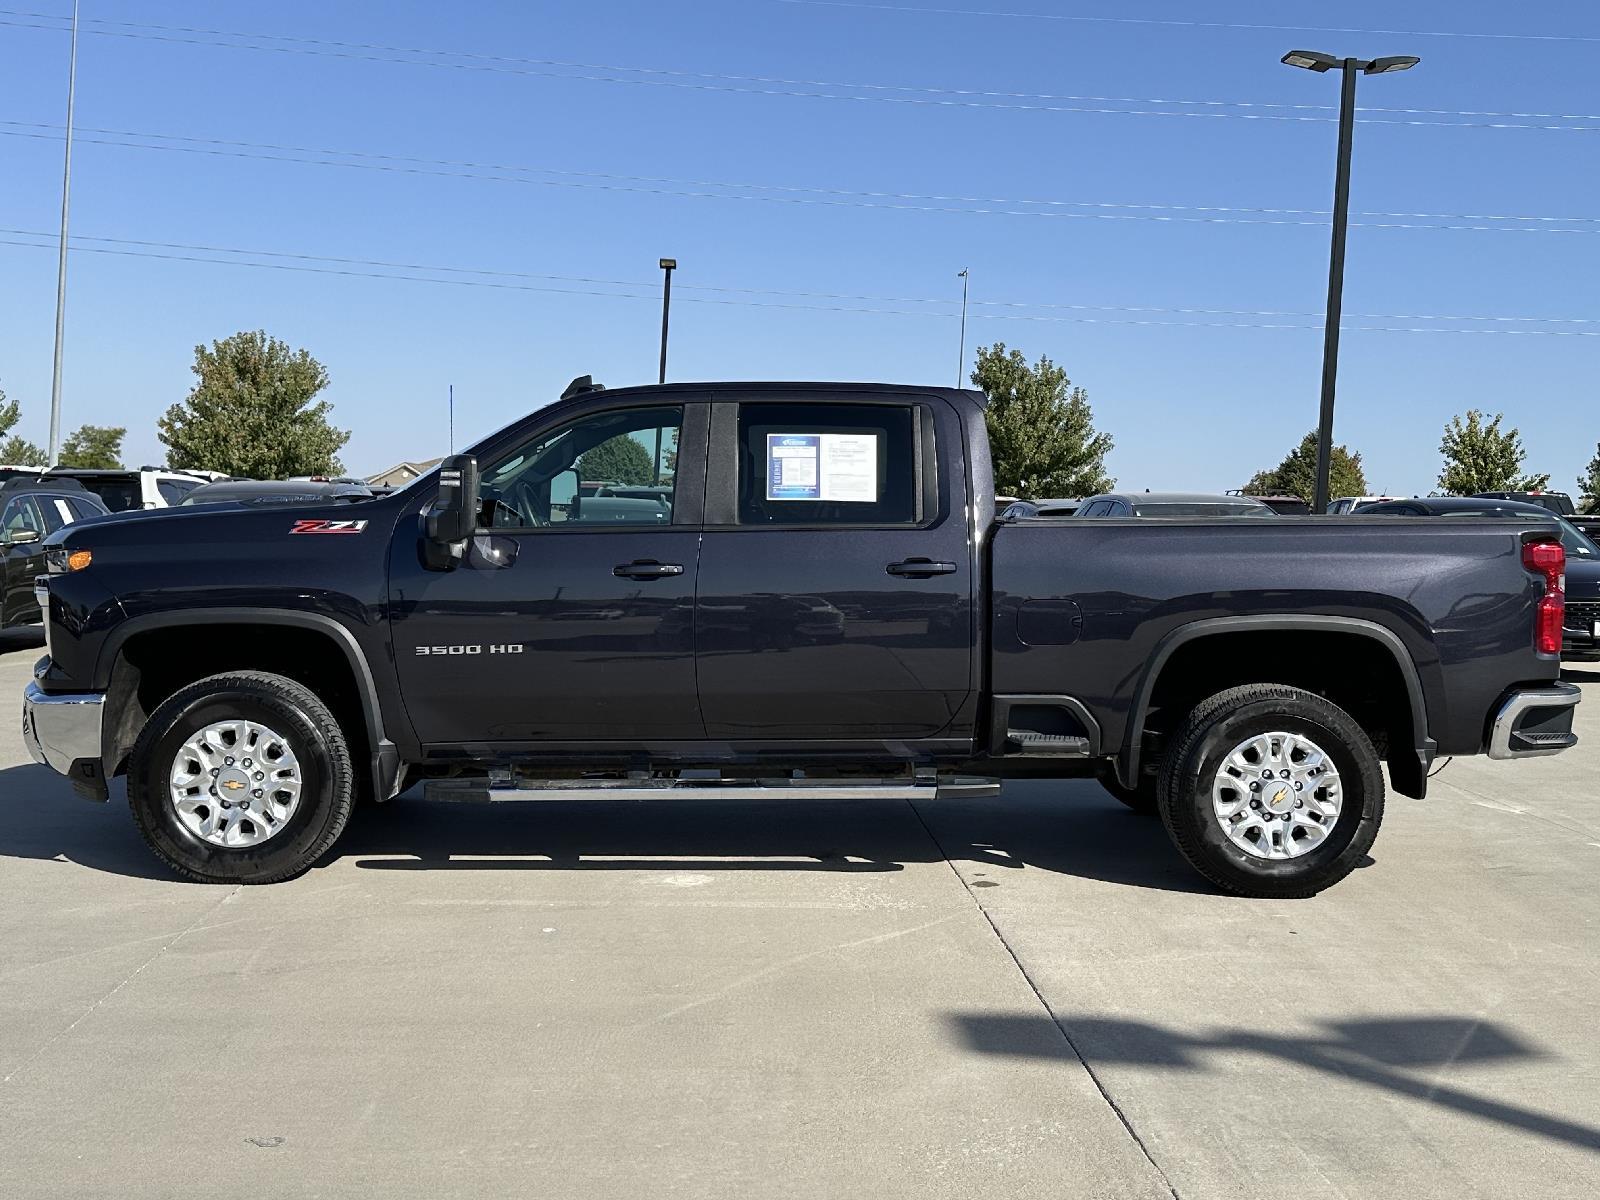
x,y
836,574
572,617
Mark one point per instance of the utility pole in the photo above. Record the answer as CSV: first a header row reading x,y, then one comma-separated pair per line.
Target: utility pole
x,y
668,265
452,418
61,264
961,354
1349,68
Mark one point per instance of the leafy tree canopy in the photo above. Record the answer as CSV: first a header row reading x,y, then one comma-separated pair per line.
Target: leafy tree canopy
x,y
1589,483
253,413
1296,475
1479,457
1041,430
16,451
93,446
617,460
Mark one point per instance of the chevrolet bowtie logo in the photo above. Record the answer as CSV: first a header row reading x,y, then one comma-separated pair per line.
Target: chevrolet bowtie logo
x,y
1281,796
233,785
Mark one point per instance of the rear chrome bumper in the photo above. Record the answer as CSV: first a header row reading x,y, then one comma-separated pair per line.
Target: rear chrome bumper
x,y
1534,722
62,730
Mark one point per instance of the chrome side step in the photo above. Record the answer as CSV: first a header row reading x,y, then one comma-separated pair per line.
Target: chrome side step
x,y
501,786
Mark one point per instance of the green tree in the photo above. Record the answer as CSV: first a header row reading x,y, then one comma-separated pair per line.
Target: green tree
x,y
252,412
1041,430
1589,483
93,446
16,451
1478,457
617,460
1296,475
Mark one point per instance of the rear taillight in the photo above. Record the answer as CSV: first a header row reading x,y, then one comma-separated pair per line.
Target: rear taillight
x,y
1549,561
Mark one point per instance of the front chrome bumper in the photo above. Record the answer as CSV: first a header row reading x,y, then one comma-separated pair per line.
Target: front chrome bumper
x,y
1534,722
62,730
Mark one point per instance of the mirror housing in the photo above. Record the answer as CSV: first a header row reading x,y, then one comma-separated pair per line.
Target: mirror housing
x,y
449,523
21,537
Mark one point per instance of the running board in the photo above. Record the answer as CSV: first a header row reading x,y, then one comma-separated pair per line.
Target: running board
x,y
1046,745
502,787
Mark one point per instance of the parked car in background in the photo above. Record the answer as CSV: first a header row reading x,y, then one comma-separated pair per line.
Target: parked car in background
x,y
1557,502
1348,504
30,510
122,490
1018,509
1182,505
1580,624
1285,506
276,491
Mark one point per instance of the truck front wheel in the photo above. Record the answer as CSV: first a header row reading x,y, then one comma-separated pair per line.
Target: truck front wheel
x,y
241,778
1271,791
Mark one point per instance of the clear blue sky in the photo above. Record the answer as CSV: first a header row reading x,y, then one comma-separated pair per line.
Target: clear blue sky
x,y
1195,407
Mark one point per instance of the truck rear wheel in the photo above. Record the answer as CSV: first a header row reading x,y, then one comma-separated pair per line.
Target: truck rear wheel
x,y
1271,791
241,778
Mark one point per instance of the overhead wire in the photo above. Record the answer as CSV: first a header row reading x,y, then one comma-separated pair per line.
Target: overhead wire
x,y
1191,23
793,194
341,266
746,84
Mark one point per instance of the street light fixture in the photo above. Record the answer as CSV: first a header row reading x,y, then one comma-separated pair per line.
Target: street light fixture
x,y
1315,60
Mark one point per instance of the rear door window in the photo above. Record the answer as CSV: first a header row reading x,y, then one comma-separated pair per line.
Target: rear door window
x,y
831,464
172,491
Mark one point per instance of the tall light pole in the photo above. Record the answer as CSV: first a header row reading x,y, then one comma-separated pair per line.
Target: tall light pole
x,y
1313,60
61,264
668,265
961,354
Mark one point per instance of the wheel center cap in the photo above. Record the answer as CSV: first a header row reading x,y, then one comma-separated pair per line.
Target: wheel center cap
x,y
1279,796
233,784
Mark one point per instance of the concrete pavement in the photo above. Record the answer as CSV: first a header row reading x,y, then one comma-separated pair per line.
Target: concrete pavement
x,y
1023,996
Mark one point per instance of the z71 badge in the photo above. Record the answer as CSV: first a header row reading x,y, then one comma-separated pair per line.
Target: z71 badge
x,y
328,527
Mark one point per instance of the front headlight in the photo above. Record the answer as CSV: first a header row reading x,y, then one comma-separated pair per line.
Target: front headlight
x,y
60,561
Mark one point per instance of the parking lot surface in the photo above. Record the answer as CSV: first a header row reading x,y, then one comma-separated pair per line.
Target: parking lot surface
x,y
1023,996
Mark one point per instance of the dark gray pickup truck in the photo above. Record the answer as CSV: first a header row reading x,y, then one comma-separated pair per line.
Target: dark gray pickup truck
x,y
764,590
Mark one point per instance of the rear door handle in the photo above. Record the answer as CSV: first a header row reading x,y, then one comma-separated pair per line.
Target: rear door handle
x,y
917,568
646,569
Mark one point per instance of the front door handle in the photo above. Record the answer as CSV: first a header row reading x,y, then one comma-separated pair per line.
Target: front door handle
x,y
918,568
646,569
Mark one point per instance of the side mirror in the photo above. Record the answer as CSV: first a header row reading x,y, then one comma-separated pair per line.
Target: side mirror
x,y
450,522
21,537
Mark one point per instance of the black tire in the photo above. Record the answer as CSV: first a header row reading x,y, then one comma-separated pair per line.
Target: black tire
x,y
312,733
1144,799
1211,732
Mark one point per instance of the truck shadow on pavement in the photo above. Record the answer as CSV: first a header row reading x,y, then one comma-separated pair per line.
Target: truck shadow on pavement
x,y
42,817
1071,827
1374,1051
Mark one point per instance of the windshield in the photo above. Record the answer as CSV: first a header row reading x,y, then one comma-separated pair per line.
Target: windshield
x,y
1201,508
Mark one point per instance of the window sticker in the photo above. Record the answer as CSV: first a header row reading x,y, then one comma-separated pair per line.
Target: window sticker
x,y
823,466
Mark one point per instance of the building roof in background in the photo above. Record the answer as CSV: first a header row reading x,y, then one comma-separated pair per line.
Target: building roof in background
x,y
402,473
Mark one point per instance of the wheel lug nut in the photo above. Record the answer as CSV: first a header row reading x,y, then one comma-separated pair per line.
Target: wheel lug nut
x,y
1283,774
215,772
256,793
245,764
228,761
1255,804
1299,803
1298,786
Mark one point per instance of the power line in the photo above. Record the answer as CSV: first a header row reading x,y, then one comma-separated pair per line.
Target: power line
x,y
755,84
148,249
798,194
969,12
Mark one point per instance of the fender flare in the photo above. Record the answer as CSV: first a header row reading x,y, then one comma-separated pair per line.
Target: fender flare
x,y
386,771
1128,758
